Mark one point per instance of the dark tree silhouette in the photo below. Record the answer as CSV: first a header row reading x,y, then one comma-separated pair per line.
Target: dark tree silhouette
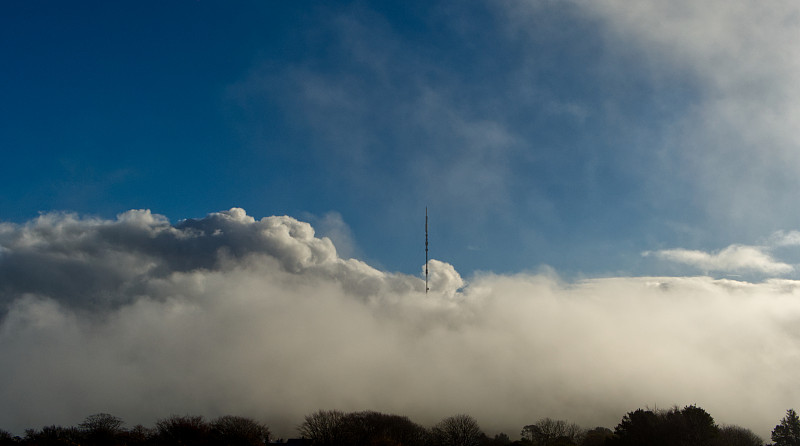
x,y
101,422
369,427
102,429
53,436
596,436
639,427
138,435
361,428
182,430
6,439
697,426
690,426
324,428
500,439
231,430
787,433
546,431
737,436
458,430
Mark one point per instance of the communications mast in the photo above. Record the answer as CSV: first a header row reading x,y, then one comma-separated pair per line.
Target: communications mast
x,y
426,249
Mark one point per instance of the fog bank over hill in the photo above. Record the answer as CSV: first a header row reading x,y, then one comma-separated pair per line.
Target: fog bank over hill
x,y
228,314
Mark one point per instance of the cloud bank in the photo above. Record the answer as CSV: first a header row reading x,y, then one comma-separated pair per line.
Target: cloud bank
x,y
231,315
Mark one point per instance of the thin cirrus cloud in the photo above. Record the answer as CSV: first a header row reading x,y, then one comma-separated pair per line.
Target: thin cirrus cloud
x,y
228,314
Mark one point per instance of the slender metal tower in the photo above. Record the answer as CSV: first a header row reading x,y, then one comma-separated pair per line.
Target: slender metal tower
x,y
426,249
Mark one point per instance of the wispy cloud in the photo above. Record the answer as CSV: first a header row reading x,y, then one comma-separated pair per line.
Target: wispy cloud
x,y
785,238
393,117
735,143
734,258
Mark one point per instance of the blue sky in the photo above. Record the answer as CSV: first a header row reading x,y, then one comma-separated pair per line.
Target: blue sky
x,y
577,135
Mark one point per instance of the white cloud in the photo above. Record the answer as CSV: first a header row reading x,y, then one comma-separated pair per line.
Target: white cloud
x,y
443,278
734,258
785,238
333,226
230,314
735,143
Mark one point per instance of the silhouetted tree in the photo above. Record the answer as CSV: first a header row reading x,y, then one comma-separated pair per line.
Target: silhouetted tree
x,y
690,426
138,435
369,427
53,436
697,425
231,430
639,427
546,431
404,431
101,429
500,439
182,431
737,436
458,430
787,433
6,439
324,428
561,441
596,436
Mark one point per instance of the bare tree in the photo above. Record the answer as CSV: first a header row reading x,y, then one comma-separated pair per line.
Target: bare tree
x,y
458,430
370,427
183,430
547,430
231,430
52,435
101,429
6,439
138,435
324,427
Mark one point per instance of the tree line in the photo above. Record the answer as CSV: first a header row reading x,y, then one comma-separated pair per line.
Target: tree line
x,y
687,426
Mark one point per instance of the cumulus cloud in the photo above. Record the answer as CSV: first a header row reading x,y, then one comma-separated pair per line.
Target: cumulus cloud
x,y
333,226
443,277
734,258
91,263
231,315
